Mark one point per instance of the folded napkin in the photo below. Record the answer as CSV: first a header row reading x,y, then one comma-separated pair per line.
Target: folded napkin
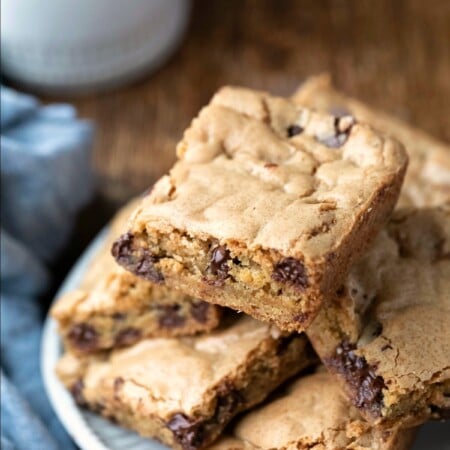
x,y
45,179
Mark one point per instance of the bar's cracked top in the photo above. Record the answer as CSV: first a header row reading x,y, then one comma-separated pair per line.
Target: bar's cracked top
x,y
265,171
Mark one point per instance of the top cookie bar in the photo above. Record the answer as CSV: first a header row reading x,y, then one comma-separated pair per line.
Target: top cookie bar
x,y
267,207
427,181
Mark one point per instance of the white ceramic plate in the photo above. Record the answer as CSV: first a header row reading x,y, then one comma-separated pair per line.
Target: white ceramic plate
x,y
91,432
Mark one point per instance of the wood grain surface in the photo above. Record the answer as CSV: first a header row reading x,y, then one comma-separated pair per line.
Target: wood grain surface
x,y
394,54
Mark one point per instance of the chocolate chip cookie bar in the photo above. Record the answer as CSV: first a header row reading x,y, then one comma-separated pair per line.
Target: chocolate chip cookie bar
x,y
427,181
114,308
184,391
266,208
310,413
387,339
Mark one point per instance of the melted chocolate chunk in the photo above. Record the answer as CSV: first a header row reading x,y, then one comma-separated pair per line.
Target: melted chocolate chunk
x,y
218,265
77,393
127,337
138,261
291,271
188,432
192,434
293,130
228,404
122,249
199,311
146,268
342,128
377,330
111,418
341,291
118,383
119,316
170,316
83,336
366,385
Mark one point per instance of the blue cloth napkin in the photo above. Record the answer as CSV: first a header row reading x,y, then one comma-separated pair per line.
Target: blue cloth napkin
x,y
46,178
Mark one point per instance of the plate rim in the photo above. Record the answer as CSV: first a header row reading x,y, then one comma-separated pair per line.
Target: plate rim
x,y
50,351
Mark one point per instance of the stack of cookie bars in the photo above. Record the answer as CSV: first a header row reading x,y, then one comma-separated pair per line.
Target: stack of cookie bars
x,y
286,235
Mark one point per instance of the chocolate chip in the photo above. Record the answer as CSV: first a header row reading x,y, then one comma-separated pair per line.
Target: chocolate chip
x,y
228,403
199,311
342,129
138,261
218,264
119,316
377,330
269,165
293,130
127,337
122,248
341,291
83,336
77,393
366,386
146,268
193,434
118,383
111,418
170,316
291,271
188,432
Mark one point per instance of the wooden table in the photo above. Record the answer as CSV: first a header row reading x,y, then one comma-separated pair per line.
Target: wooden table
x,y
394,54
